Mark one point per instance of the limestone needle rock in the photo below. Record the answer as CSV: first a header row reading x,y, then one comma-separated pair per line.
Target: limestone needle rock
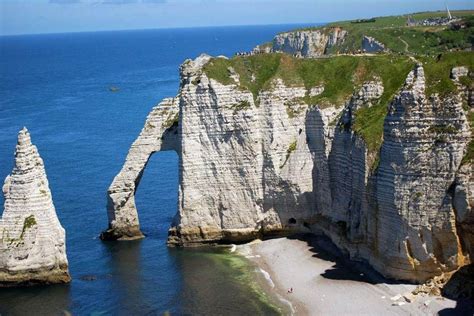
x,y
32,240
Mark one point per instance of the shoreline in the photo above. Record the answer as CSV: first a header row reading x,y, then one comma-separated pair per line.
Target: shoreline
x,y
325,283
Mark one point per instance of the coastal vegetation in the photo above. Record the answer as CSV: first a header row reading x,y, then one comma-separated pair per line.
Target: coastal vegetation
x,y
399,37
242,105
469,157
341,76
29,222
289,151
173,119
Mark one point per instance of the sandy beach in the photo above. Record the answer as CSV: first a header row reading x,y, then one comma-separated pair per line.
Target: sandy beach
x,y
324,283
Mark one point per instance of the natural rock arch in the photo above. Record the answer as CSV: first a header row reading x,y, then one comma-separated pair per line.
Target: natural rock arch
x,y
161,133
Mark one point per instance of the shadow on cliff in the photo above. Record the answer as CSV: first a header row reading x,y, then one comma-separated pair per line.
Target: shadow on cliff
x,y
461,289
343,268
463,307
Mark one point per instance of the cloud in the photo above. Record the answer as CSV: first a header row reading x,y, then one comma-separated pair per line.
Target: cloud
x,y
96,2
131,1
64,1
119,1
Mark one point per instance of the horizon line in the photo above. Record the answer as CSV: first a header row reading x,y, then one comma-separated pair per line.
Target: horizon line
x,y
218,26
166,28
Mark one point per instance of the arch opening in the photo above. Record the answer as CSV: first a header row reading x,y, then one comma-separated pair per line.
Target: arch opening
x,y
156,194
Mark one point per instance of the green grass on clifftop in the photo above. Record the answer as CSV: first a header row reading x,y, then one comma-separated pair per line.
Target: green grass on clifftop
x,y
438,72
340,76
369,121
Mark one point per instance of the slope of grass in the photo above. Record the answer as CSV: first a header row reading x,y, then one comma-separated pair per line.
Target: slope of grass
x,y
254,71
341,76
369,121
469,157
392,30
438,73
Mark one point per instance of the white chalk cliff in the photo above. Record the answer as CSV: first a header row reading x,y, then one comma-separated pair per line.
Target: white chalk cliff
x,y
371,45
258,165
32,243
308,43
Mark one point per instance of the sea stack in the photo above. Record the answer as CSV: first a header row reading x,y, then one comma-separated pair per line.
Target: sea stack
x,y
32,244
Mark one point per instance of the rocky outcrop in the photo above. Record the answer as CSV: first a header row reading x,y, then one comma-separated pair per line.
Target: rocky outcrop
x,y
160,133
32,244
263,49
259,164
308,43
371,45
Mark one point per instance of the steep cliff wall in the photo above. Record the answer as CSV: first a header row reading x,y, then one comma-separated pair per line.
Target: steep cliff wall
x,y
270,145
371,45
32,243
308,43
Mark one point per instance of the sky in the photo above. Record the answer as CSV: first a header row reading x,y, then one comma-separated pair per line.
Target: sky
x,y
59,16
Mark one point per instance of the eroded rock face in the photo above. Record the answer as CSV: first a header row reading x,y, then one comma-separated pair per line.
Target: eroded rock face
x,y
310,43
32,244
258,165
424,143
159,133
371,45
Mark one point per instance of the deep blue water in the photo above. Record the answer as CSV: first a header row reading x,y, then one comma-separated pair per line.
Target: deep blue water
x,y
58,87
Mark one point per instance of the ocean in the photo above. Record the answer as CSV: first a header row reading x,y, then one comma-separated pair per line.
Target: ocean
x,y
59,87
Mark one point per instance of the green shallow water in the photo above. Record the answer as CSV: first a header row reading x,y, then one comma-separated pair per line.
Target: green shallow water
x,y
226,283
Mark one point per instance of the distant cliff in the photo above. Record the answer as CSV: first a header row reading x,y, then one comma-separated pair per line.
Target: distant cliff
x,y
376,35
308,43
375,152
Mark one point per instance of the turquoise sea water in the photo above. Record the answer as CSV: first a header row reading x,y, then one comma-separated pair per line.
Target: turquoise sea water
x,y
58,86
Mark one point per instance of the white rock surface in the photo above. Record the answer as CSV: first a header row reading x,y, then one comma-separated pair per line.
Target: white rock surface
x,y
254,165
315,91
160,133
371,45
424,144
32,244
308,43
458,72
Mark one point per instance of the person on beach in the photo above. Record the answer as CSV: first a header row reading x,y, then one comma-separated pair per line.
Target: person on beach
x,y
290,290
